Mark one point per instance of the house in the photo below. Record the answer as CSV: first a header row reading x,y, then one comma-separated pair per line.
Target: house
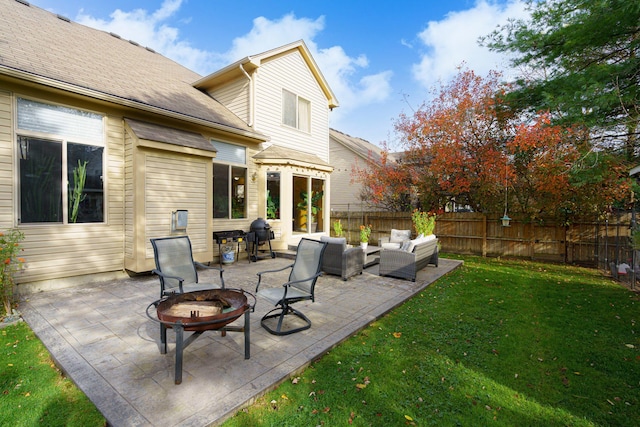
x,y
347,152
106,144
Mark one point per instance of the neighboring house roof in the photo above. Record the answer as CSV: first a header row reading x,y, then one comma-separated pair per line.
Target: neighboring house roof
x,y
280,155
359,146
250,63
44,48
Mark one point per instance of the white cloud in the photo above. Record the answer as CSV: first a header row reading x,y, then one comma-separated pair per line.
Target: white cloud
x,y
338,68
454,40
344,73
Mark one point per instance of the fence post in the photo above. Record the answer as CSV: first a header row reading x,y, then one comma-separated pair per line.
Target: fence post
x,y
484,235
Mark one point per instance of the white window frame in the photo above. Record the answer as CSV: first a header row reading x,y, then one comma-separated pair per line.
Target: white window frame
x,y
301,108
232,156
65,125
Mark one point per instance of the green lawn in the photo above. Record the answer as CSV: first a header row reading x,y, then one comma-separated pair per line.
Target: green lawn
x,y
496,342
34,393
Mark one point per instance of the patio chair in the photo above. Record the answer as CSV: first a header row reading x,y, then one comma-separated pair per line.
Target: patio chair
x,y
340,260
176,268
300,287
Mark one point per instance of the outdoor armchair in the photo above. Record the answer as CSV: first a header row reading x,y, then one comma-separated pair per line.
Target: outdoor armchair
x,y
339,260
299,287
176,268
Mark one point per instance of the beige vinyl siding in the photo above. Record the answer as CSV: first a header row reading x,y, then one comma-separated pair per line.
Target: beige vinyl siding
x,y
235,96
291,72
342,191
6,162
171,183
54,251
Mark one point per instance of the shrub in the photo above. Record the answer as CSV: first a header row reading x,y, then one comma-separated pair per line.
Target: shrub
x,y
10,265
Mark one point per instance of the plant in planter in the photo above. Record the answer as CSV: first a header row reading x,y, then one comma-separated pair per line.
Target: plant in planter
x,y
272,206
365,233
337,228
77,196
424,222
316,196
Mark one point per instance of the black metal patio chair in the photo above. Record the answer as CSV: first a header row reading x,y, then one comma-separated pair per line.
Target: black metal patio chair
x,y
300,287
176,268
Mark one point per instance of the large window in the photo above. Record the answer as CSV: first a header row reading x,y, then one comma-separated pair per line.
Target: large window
x,y
296,111
308,198
273,195
60,174
229,181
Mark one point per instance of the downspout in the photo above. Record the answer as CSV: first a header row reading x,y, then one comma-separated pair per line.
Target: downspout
x,y
251,98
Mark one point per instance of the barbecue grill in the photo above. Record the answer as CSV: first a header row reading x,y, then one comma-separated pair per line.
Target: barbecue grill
x,y
260,234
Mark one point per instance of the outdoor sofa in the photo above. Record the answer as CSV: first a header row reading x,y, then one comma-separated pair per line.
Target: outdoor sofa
x,y
404,263
339,260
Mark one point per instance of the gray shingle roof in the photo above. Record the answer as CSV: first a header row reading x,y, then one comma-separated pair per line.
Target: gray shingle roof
x,y
154,132
38,44
359,146
288,155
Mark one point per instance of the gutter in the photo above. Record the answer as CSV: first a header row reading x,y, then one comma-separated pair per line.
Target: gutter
x,y
251,93
106,97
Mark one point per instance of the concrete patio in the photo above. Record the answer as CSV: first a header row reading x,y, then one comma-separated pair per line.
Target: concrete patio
x,y
100,336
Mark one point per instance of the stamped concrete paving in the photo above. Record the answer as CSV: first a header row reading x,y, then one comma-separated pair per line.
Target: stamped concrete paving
x,y
102,339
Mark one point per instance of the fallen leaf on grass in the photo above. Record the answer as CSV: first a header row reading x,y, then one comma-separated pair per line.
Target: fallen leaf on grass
x,y
630,345
397,334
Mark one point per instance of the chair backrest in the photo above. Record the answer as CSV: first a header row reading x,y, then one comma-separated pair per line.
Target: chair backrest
x,y
307,264
174,257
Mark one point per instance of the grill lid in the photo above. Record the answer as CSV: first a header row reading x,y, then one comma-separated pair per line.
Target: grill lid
x,y
259,225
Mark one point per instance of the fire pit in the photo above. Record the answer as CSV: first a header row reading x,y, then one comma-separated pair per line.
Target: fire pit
x,y
201,311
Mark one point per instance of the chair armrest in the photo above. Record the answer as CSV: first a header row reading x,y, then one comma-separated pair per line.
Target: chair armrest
x,y
269,271
166,276
210,267
382,240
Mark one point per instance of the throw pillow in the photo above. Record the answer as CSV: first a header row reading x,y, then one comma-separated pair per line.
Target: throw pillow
x,y
399,236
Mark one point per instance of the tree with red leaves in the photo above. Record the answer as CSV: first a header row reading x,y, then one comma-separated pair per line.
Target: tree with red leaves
x,y
466,147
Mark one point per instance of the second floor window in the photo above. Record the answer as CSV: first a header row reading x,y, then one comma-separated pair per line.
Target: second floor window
x,y
296,111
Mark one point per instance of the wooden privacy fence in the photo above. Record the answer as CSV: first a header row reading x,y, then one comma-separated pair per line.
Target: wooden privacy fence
x,y
588,243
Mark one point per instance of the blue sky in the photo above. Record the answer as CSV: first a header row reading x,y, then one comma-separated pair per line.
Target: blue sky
x,y
380,58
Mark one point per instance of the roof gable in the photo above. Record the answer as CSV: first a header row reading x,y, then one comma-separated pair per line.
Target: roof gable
x,y
251,63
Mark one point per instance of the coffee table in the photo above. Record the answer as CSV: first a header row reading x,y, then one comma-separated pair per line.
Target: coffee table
x,y
371,256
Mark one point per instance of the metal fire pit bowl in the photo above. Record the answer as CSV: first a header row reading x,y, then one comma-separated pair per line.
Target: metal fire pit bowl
x,y
201,311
